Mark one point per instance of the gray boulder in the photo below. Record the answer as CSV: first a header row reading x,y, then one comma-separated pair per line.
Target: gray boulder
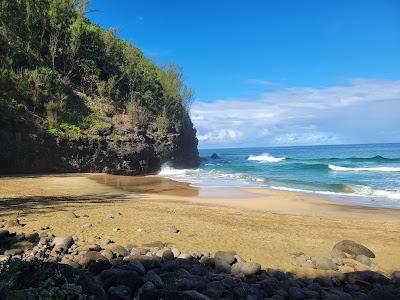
x,y
353,249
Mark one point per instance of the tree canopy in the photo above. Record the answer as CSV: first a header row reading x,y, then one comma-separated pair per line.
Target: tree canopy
x,y
53,58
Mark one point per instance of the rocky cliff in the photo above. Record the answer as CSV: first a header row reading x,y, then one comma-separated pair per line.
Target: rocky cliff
x,y
28,148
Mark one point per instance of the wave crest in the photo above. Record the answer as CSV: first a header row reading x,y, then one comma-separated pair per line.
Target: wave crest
x,y
265,157
371,169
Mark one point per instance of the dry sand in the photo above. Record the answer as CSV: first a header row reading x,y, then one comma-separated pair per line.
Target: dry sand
x,y
262,225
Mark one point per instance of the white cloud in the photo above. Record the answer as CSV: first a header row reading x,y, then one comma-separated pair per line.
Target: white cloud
x,y
337,114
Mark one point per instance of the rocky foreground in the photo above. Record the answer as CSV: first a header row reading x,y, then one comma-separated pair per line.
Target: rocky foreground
x,y
42,266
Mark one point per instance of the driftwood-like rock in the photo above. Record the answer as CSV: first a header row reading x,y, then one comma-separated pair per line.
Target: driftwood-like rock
x,y
350,248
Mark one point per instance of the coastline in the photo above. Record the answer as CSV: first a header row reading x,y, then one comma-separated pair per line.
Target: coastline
x,y
261,225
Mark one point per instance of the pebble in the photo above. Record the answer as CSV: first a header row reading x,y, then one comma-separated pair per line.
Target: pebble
x,y
87,225
173,229
140,230
116,229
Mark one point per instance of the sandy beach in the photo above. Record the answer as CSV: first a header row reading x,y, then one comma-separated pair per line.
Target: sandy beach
x,y
266,226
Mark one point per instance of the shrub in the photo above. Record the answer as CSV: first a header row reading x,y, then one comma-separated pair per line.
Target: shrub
x,y
138,114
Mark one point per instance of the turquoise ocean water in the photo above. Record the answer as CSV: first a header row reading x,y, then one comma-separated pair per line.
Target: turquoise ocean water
x,y
359,174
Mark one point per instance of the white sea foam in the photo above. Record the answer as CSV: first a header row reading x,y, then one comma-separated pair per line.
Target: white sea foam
x,y
265,157
359,191
362,169
168,171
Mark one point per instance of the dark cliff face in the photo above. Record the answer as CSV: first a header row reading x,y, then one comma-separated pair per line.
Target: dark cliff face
x,y
30,149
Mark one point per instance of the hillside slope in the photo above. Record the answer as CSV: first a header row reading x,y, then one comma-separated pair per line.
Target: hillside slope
x,y
76,98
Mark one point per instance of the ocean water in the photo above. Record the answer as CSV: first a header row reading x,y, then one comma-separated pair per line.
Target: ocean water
x,y
359,174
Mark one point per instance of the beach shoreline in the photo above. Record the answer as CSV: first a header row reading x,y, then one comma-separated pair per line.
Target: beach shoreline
x,y
262,225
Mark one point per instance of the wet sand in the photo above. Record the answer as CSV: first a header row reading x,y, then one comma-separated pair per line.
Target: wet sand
x,y
262,225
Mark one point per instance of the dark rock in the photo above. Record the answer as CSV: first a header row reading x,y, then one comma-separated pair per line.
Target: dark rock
x,y
214,156
167,255
4,233
296,293
32,149
381,293
99,266
153,277
136,265
366,276
121,292
122,277
221,266
191,283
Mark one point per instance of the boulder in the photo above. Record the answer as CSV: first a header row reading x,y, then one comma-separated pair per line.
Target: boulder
x,y
323,263
85,258
225,256
245,268
353,249
119,250
121,292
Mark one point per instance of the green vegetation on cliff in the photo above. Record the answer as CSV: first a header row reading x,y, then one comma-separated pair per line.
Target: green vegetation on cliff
x,y
77,79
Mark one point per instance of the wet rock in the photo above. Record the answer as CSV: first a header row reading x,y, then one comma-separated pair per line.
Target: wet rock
x,y
353,249
121,292
214,156
225,256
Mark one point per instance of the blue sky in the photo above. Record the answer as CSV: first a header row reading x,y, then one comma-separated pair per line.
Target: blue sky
x,y
275,72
